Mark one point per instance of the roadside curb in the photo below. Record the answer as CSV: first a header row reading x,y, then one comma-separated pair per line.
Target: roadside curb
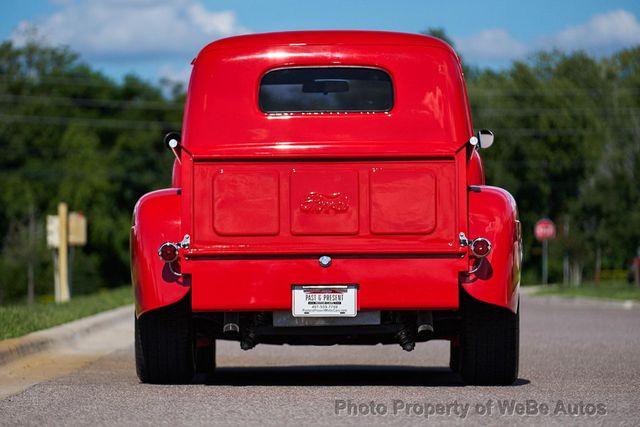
x,y
584,301
15,348
530,290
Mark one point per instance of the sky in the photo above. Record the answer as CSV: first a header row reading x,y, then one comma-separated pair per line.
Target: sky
x,y
158,38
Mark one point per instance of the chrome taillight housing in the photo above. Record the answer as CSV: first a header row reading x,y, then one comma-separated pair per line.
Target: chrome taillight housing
x,y
168,252
480,247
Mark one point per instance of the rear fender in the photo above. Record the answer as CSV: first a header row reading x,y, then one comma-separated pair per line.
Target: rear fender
x,y
176,174
493,214
475,170
156,219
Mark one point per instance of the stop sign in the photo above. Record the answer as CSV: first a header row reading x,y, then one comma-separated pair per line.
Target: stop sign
x,y
545,229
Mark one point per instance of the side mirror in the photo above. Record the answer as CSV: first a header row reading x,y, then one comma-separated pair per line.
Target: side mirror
x,y
485,138
172,141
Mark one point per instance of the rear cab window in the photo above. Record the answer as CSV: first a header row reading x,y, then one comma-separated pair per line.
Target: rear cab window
x,y
325,89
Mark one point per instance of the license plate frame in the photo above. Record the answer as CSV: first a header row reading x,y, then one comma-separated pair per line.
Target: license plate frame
x,y
324,300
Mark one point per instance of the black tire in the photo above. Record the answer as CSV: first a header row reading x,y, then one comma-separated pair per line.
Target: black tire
x,y
454,357
164,345
489,344
206,359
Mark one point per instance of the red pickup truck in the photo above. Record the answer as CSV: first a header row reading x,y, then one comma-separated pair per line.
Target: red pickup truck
x,y
327,189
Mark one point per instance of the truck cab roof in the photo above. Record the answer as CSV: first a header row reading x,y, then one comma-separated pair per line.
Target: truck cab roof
x,y
327,37
425,112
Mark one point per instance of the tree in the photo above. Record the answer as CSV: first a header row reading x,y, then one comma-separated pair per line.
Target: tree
x,y
69,133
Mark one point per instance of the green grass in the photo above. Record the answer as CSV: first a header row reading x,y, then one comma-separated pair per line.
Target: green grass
x,y
617,290
18,320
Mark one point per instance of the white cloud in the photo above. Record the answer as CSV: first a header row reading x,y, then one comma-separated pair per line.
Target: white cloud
x,y
175,74
126,29
491,44
601,35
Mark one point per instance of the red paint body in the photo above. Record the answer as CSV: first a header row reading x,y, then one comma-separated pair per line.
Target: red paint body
x,y
154,286
385,194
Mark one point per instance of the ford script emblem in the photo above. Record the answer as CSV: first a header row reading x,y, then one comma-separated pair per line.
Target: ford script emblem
x,y
319,203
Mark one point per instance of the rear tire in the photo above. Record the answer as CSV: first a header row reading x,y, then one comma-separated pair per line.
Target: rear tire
x,y
206,358
489,344
164,345
454,357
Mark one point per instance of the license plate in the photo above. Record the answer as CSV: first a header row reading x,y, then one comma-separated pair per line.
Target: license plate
x,y
324,300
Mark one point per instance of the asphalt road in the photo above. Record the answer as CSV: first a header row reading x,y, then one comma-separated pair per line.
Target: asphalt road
x,y
574,357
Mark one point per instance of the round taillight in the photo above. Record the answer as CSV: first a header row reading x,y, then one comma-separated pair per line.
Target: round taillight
x,y
481,247
168,252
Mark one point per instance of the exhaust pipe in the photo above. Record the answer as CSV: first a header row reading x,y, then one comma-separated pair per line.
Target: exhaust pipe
x,y
425,322
231,323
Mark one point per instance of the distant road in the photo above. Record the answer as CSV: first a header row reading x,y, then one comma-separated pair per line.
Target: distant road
x,y
574,357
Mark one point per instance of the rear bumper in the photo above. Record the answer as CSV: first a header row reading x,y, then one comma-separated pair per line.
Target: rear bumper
x,y
383,283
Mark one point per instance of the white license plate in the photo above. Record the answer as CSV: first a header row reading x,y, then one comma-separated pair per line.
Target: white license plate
x,y
324,300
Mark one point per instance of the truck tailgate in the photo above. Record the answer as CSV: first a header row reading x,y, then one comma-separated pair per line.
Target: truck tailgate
x,y
339,207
